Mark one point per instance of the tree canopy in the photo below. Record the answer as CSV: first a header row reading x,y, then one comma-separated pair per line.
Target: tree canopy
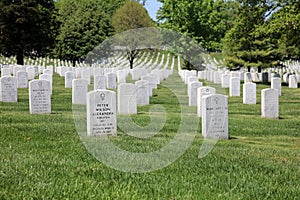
x,y
27,28
83,26
132,15
264,33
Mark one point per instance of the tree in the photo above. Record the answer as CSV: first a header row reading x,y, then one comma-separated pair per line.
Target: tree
x,y
131,15
207,21
84,25
27,28
259,37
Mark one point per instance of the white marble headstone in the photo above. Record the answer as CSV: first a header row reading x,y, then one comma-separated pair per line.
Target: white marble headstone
x,y
79,91
111,80
99,82
22,79
69,77
127,98
293,83
225,81
101,113
215,116
249,93
8,89
193,87
39,97
276,84
270,103
142,92
201,92
234,86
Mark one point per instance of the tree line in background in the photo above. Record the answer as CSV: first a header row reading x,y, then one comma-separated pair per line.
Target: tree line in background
x,y
250,33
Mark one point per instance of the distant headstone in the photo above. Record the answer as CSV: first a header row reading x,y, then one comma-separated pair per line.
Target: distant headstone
x,y
79,91
69,77
5,72
265,78
121,76
217,77
234,86
270,103
142,93
225,81
86,74
31,72
111,80
101,113
8,89
247,77
201,92
47,77
255,77
249,93
39,97
127,98
193,92
99,82
215,116
276,84
22,79
293,83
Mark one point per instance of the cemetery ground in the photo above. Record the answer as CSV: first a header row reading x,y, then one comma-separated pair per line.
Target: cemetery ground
x,y
42,156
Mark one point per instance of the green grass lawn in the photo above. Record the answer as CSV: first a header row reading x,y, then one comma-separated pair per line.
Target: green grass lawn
x,y
42,156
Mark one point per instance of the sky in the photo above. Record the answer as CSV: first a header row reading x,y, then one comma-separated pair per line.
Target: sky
x,y
152,6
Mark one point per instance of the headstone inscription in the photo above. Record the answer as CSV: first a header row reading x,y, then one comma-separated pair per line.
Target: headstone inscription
x,y
101,113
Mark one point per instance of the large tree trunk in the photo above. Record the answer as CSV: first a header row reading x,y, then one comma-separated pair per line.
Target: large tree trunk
x,y
74,63
20,59
249,69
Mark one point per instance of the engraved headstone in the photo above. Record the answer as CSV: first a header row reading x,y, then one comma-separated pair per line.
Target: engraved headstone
x,y
249,93
5,72
201,92
270,103
39,97
101,113
127,98
215,116
8,89
79,91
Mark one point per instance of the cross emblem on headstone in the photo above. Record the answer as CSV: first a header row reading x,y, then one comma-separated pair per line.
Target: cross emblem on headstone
x,y
216,100
102,96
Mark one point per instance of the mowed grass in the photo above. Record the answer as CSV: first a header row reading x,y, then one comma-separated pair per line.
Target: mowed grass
x,y
42,156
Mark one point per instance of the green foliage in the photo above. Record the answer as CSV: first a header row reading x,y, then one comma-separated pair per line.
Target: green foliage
x,y
207,20
84,25
260,41
27,28
131,15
